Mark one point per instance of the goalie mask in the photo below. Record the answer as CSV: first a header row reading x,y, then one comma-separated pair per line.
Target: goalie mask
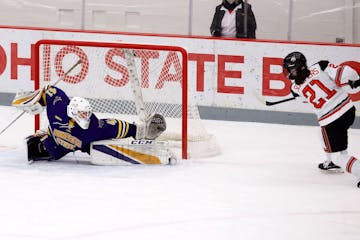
x,y
295,67
80,110
29,101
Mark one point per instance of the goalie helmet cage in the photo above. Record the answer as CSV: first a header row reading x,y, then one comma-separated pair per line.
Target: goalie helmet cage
x,y
127,82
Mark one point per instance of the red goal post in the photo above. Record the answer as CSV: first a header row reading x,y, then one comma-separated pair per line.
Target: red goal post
x,y
124,81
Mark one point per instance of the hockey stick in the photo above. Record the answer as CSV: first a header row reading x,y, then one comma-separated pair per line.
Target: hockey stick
x,y
267,103
57,81
12,122
67,72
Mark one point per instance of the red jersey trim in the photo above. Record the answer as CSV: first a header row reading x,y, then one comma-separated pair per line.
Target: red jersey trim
x,y
350,164
327,145
338,77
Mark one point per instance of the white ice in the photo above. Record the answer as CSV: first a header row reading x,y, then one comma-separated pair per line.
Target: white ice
x,y
264,186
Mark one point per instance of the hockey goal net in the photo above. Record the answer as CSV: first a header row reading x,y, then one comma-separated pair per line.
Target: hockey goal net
x,y
128,81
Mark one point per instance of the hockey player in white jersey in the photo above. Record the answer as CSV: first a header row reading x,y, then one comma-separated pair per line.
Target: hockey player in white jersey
x,y
323,85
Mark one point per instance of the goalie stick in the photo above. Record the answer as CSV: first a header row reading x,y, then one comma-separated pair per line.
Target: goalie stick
x,y
57,81
67,72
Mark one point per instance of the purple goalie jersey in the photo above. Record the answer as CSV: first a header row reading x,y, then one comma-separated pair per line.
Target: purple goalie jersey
x,y
65,135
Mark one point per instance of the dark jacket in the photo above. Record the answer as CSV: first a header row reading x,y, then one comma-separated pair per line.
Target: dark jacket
x,y
215,28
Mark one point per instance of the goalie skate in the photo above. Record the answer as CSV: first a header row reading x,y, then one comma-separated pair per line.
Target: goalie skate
x,y
330,167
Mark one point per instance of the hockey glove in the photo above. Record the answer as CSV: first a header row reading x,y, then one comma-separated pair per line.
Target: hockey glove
x,y
354,84
35,149
294,94
216,33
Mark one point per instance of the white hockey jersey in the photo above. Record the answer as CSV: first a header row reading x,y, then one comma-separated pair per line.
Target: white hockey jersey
x,y
325,90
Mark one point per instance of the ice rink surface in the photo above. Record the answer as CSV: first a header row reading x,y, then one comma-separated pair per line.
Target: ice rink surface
x,y
264,186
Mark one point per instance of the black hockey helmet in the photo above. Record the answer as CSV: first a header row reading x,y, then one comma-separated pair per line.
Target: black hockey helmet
x,y
294,64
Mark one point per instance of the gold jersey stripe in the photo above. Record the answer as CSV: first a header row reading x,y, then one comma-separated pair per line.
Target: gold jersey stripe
x,y
123,129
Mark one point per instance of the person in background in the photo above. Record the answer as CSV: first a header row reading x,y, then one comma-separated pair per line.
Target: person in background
x,y
230,19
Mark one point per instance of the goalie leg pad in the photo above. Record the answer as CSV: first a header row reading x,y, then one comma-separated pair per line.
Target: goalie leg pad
x,y
128,152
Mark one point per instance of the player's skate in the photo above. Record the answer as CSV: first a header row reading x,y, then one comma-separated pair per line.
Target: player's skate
x,y
330,167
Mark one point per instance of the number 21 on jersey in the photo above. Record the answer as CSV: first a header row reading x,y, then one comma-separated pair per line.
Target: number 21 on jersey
x,y
310,93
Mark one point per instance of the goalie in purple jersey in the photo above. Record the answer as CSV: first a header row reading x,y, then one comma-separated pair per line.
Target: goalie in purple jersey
x,y
73,126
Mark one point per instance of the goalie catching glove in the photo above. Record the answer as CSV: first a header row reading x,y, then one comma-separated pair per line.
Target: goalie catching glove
x,y
154,125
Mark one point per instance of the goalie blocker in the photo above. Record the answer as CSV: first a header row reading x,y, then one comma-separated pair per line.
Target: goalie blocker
x,y
129,151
